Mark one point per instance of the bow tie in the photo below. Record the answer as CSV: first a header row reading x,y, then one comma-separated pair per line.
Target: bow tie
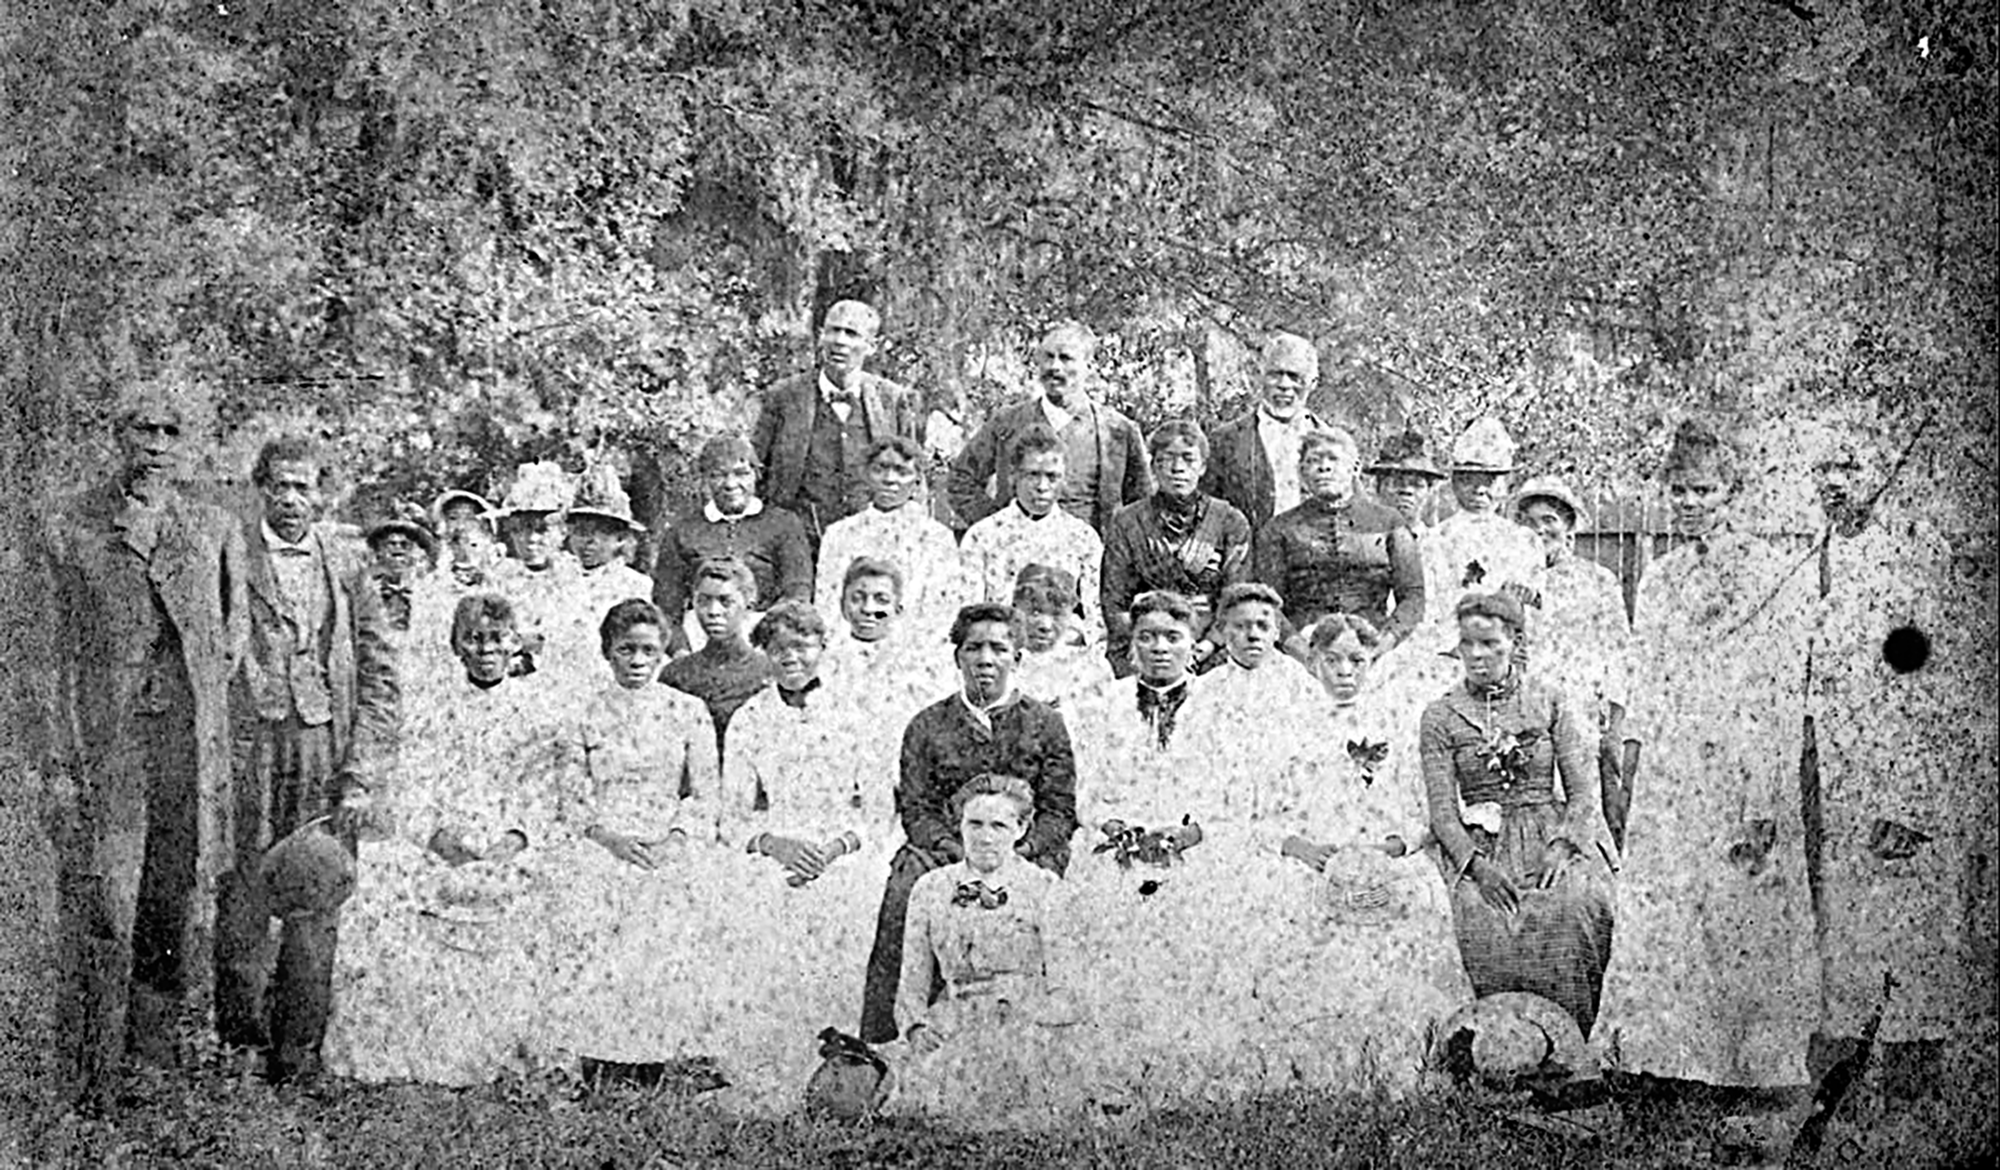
x,y
978,893
1368,755
290,550
841,397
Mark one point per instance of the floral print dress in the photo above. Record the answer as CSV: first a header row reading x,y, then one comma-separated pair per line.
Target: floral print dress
x,y
640,763
444,972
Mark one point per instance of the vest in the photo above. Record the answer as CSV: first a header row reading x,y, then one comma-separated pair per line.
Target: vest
x,y
836,453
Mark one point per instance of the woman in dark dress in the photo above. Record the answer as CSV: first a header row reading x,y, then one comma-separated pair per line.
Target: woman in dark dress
x,y
1177,540
1529,869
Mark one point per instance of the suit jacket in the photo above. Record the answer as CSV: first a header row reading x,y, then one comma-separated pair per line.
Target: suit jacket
x,y
353,642
1240,472
784,425
195,564
1124,472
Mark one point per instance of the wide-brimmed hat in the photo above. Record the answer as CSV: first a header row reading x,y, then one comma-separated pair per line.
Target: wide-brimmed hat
x,y
451,496
1485,446
308,872
1549,487
1409,452
537,487
1513,1039
408,519
598,493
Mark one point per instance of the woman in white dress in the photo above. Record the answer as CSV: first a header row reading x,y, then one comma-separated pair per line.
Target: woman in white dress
x,y
1711,976
1369,965
639,782
808,819
448,951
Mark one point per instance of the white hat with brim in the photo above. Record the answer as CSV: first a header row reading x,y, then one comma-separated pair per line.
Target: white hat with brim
x,y
599,494
538,487
1548,487
459,495
1485,446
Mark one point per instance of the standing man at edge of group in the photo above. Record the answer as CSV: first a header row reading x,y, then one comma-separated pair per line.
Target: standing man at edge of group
x,y
314,719
1105,458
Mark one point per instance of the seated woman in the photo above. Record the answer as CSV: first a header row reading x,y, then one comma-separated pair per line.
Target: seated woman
x,y
1125,731
448,952
1179,539
1371,964
979,1052
1056,667
808,815
1529,870
639,783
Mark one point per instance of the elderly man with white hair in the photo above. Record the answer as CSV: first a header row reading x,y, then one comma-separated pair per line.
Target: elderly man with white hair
x,y
1254,458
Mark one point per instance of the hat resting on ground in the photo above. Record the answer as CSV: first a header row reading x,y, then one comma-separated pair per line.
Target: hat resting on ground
x,y
537,487
1406,452
1485,446
1549,487
408,519
1512,1039
599,494
308,872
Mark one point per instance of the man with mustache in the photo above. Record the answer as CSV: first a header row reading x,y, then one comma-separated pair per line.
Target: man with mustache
x,y
146,609
1104,456
1255,460
315,715
814,431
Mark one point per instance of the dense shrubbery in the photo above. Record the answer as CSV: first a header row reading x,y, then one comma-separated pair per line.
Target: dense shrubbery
x,y
458,235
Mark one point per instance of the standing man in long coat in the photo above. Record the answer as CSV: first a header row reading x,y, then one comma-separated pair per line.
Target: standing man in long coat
x,y
1104,457
1254,458
315,715
148,614
814,430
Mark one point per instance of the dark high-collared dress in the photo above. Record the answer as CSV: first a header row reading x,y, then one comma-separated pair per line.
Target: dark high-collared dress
x,y
1357,557
946,745
1195,549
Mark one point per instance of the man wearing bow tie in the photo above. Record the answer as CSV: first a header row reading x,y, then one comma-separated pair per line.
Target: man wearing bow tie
x,y
813,431
146,610
315,714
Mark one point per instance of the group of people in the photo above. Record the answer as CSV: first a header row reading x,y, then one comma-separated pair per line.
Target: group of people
x,y
1189,768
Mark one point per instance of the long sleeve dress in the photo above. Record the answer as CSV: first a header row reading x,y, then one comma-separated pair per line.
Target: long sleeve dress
x,y
1003,1061
1491,757
1350,994
1194,551
813,772
638,995
1712,974
444,972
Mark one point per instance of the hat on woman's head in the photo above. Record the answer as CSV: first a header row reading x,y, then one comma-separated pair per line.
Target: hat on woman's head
x,y
538,487
408,519
1407,452
1485,446
1549,487
483,507
598,493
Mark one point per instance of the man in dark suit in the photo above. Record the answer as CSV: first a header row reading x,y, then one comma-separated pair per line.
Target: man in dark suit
x,y
146,627
315,714
1104,456
813,431
1254,459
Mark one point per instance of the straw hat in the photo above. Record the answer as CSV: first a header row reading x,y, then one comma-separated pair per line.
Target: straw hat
x,y
308,872
408,519
1513,1039
1409,452
1485,446
538,487
486,510
598,493
1549,487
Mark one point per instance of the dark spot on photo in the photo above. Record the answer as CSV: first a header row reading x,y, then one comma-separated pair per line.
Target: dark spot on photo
x,y
1906,649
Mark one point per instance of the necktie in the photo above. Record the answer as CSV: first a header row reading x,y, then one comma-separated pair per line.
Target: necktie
x,y
1158,706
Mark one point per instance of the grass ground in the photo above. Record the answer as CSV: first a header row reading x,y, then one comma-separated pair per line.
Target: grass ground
x,y
208,1116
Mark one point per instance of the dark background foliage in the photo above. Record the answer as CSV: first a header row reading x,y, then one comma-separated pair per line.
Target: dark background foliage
x,y
454,235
